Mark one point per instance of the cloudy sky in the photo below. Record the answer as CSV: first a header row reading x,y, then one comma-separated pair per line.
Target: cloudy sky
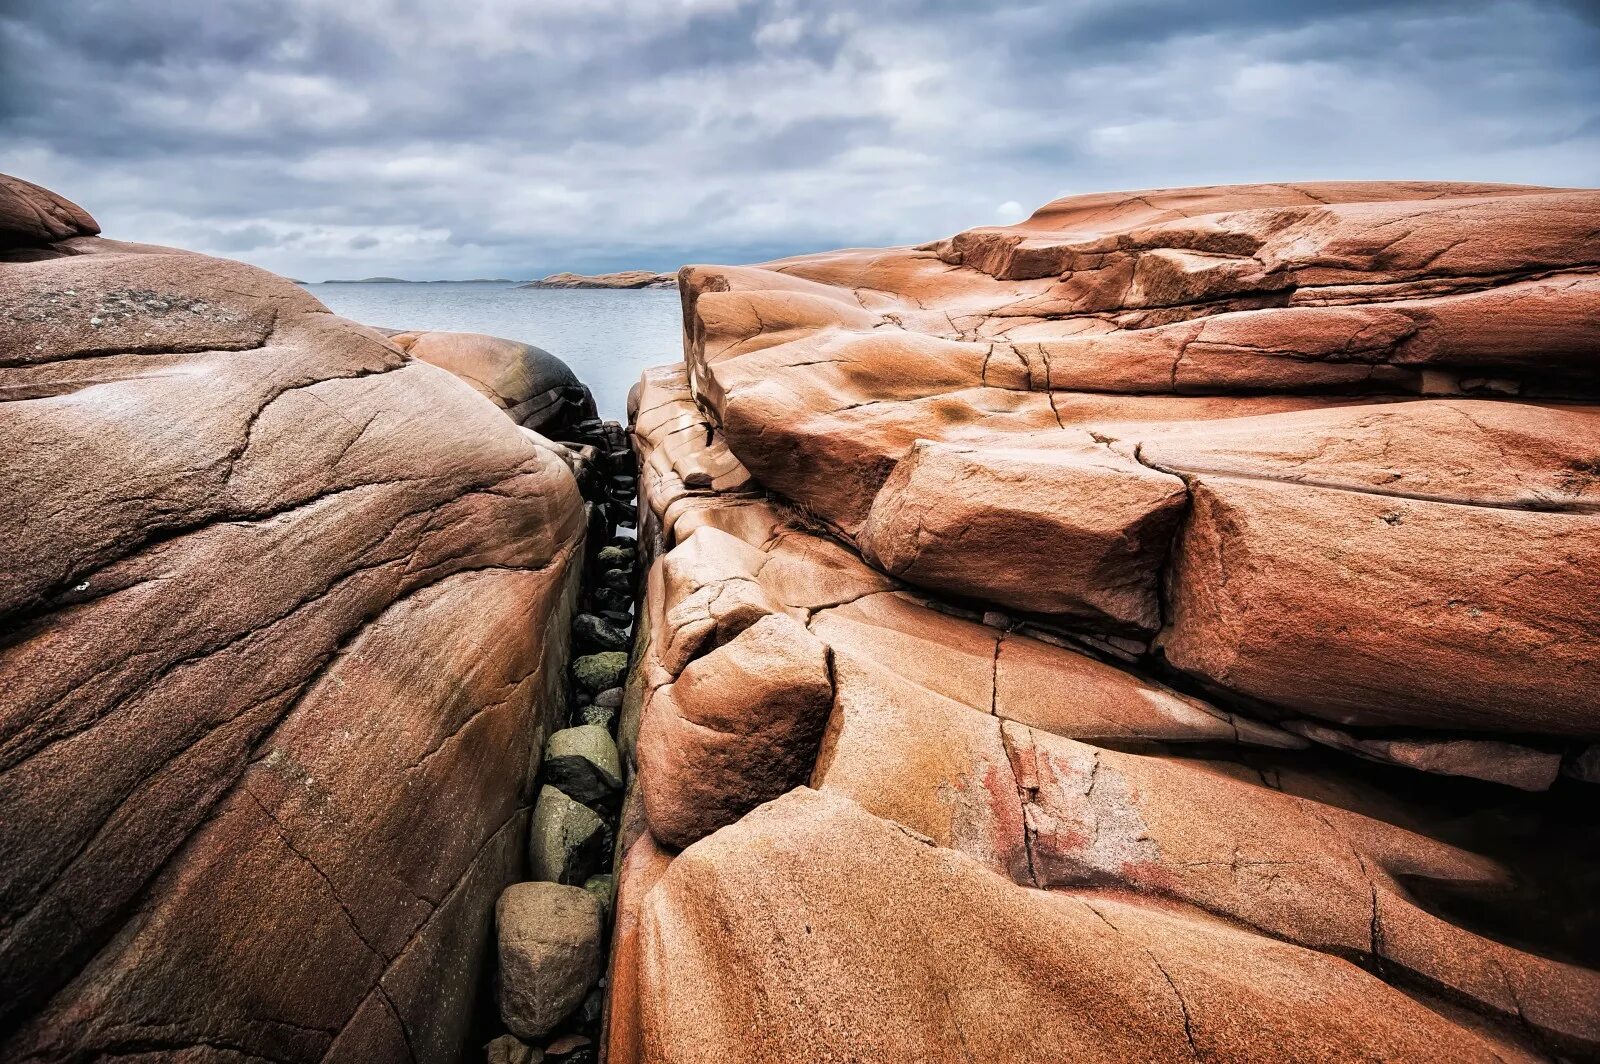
x,y
458,138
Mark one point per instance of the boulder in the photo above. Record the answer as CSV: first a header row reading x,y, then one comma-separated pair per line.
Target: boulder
x,y
1074,531
508,1049
549,942
582,763
613,557
567,841
592,631
533,387
285,616
1274,582
31,216
738,727
597,672
598,715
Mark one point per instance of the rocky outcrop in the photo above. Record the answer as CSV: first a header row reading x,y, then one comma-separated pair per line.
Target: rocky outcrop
x,y
620,279
284,623
32,218
1164,628
533,387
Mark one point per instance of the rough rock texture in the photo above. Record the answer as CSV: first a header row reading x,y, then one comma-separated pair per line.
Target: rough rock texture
x,y
815,931
582,763
283,617
549,953
1197,590
531,385
737,727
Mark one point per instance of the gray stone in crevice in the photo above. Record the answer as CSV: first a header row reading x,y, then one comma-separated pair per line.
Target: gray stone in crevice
x,y
611,698
598,715
614,557
596,672
509,1049
582,763
598,632
566,840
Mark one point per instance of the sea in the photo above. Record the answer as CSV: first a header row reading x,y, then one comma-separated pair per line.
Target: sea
x,y
608,337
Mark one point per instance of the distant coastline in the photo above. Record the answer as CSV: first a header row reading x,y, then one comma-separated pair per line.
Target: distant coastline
x,y
402,280
621,279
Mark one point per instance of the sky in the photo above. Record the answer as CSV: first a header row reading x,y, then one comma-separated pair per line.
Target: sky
x,y
491,138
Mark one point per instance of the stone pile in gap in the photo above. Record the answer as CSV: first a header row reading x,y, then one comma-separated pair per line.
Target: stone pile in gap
x,y
551,932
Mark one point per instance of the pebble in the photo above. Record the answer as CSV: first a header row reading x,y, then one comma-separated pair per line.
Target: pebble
x,y
599,715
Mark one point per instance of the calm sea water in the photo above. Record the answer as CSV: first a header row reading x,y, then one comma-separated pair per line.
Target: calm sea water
x,y
607,337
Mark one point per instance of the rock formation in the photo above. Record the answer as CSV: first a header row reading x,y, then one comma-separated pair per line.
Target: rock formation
x,y
1165,628
533,387
285,620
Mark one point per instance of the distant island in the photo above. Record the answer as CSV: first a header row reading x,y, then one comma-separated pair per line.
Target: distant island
x,y
402,280
621,279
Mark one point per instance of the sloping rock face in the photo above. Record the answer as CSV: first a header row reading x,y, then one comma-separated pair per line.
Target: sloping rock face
x,y
1162,629
283,617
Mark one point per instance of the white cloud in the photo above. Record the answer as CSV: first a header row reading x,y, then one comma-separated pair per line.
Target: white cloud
x,y
512,137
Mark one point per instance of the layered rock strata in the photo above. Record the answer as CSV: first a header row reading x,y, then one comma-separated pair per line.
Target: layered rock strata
x,y
284,615
1164,628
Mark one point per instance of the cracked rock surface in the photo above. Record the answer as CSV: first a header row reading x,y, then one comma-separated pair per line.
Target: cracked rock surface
x,y
1165,628
283,614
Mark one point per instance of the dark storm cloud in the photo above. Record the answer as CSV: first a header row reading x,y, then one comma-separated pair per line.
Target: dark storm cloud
x,y
434,137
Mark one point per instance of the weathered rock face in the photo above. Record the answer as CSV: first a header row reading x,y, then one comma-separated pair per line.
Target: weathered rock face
x,y
815,931
1181,608
284,618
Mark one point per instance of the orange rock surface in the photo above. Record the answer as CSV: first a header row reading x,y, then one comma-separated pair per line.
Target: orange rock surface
x,y
284,621
1192,571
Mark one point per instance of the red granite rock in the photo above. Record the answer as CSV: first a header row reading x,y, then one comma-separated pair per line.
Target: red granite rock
x,y
812,930
1217,561
284,616
31,216
531,385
